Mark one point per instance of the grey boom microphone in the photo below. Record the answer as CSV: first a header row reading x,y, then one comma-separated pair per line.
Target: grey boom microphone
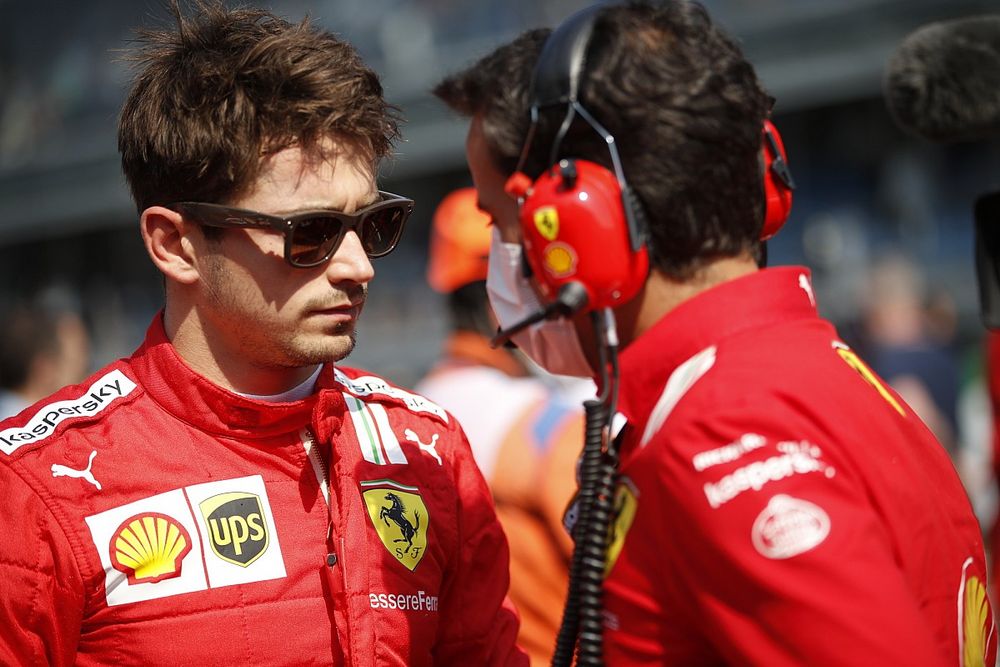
x,y
942,83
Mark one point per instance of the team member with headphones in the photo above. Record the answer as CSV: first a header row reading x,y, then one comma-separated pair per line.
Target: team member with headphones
x,y
751,493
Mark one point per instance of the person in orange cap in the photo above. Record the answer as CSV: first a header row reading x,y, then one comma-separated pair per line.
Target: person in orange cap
x,y
525,427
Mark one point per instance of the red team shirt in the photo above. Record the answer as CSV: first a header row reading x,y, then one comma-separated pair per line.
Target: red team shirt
x,y
779,504
153,518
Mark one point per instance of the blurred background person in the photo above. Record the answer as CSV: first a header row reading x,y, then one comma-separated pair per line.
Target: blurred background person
x,y
908,331
42,349
525,428
902,341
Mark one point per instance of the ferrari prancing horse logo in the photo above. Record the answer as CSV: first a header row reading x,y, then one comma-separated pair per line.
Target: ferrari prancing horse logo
x,y
400,519
547,222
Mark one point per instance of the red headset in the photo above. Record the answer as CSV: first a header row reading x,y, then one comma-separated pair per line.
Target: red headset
x,y
580,221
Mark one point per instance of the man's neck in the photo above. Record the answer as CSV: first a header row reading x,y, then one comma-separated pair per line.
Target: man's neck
x,y
215,361
661,294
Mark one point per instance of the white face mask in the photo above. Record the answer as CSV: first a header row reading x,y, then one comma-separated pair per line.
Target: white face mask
x,y
552,344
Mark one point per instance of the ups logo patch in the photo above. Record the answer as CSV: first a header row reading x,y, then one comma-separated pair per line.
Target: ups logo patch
x,y
400,519
237,530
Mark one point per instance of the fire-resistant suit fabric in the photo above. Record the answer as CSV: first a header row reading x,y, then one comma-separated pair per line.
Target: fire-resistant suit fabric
x,y
155,518
778,503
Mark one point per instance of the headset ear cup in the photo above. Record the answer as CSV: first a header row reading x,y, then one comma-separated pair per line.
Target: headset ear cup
x,y
778,182
574,229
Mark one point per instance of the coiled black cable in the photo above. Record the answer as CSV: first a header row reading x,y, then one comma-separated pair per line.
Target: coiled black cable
x,y
582,614
590,478
594,546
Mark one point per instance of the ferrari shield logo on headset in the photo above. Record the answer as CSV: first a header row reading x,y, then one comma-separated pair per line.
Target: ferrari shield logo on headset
x,y
547,222
400,518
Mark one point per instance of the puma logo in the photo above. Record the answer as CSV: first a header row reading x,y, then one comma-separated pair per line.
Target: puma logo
x,y
85,474
429,448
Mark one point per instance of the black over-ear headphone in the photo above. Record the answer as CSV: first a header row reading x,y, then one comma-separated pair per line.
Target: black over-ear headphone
x,y
581,222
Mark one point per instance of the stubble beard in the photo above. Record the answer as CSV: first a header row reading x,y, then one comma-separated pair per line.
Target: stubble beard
x,y
288,348
333,348
297,348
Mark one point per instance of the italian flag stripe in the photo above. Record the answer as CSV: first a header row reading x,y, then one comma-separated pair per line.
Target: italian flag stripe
x,y
388,482
390,444
365,428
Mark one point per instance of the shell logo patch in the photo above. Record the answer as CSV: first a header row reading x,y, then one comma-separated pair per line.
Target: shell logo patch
x,y
623,514
236,528
559,259
150,547
976,620
788,527
400,519
547,222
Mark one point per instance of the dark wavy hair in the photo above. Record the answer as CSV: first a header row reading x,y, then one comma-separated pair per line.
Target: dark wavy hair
x,y
685,108
229,87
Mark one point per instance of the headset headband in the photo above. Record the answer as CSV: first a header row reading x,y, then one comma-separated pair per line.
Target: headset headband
x,y
557,76
556,80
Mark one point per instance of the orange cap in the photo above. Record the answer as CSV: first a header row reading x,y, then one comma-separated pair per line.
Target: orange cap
x,y
460,242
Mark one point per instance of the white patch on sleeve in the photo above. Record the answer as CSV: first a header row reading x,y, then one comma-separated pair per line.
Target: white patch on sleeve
x,y
105,391
368,385
788,527
681,380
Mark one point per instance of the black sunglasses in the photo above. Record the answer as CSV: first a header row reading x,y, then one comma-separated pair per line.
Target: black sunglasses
x,y
312,237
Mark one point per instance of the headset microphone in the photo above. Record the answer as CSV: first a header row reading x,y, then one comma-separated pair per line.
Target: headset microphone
x,y
572,298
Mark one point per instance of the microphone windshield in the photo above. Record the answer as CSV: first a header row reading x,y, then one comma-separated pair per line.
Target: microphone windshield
x,y
942,83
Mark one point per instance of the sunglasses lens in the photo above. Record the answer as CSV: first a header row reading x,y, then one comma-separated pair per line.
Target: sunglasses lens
x,y
380,231
313,239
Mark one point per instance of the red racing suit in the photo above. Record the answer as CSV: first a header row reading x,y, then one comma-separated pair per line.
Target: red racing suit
x,y
779,504
155,518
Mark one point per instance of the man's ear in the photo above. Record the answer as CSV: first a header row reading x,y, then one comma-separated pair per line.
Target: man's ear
x,y
166,236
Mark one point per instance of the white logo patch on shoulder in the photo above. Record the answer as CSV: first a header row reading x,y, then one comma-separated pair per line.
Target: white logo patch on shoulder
x,y
788,527
376,438
367,385
96,398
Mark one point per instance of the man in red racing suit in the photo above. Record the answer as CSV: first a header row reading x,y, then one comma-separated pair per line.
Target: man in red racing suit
x,y
775,503
230,494
156,518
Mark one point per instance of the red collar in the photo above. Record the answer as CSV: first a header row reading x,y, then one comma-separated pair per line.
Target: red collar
x,y
755,300
176,388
